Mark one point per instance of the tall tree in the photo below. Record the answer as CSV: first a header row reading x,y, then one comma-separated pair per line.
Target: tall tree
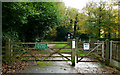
x,y
29,20
97,22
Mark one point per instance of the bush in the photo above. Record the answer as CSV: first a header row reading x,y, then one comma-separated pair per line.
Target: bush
x,y
114,39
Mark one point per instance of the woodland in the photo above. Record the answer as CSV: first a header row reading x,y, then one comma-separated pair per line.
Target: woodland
x,y
51,21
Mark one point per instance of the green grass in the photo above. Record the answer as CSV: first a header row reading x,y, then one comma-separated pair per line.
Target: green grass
x,y
81,52
51,41
61,45
66,50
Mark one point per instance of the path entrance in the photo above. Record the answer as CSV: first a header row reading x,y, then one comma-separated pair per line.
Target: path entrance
x,y
65,67
52,60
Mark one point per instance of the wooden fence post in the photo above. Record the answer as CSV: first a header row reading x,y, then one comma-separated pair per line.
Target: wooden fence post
x,y
107,52
90,43
69,41
103,51
110,50
77,49
7,50
73,52
97,47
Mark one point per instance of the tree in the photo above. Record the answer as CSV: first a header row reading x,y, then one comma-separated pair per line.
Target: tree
x,y
98,22
29,20
61,33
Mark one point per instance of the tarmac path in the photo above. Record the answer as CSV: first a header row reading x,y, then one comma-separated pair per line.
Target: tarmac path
x,y
65,67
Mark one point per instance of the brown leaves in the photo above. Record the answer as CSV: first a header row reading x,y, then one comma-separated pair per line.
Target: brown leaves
x,y
15,67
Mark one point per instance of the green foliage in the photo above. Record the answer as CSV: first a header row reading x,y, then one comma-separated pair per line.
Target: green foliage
x,y
113,39
34,21
61,33
29,21
100,17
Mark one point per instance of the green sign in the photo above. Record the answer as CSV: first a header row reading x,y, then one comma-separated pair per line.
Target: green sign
x,y
69,37
41,45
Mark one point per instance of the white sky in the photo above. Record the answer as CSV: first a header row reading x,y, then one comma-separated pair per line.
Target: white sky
x,y
79,4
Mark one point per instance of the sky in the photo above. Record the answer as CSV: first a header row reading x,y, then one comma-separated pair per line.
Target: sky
x,y
79,4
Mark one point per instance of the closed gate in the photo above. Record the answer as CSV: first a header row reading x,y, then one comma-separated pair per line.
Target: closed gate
x,y
38,51
88,51
54,51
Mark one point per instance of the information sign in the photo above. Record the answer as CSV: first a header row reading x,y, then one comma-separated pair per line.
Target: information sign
x,y
86,46
41,45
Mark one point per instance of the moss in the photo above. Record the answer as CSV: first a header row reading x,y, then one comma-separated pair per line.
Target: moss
x,y
43,64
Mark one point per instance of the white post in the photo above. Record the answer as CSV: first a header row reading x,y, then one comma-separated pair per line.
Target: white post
x,y
73,43
73,53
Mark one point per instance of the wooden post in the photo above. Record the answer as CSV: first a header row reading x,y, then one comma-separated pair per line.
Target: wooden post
x,y
90,44
12,50
7,52
119,52
107,52
73,53
77,49
97,47
103,51
69,40
110,50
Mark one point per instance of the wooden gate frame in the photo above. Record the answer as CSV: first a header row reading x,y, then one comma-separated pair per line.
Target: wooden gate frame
x,y
10,50
89,52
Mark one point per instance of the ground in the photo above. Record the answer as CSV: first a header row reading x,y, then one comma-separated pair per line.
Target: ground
x,y
65,66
